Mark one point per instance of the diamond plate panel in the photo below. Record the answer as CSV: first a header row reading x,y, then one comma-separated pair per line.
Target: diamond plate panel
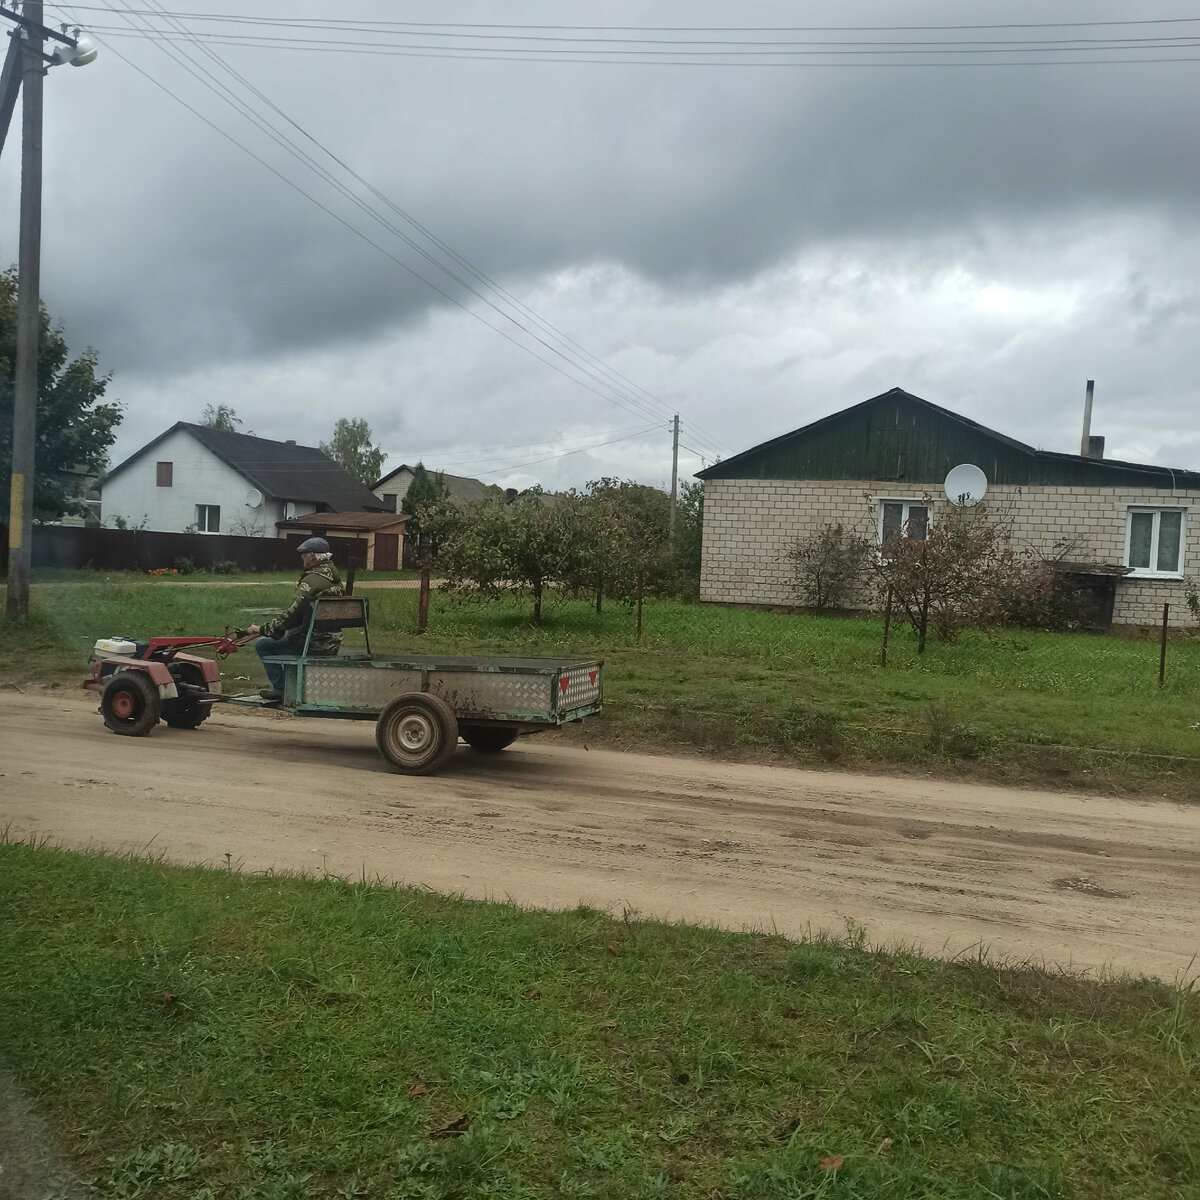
x,y
357,687
483,693
583,687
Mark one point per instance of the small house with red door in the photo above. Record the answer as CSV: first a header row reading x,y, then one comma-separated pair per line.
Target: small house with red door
x,y
371,541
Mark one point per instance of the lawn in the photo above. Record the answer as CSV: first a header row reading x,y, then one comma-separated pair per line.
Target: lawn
x,y
1016,706
190,1034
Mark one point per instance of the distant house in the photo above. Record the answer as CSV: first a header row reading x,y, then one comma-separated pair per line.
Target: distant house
x,y
196,479
378,537
393,487
1132,529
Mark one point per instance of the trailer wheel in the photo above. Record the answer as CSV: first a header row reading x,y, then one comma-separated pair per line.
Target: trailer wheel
x,y
184,712
131,704
417,733
487,739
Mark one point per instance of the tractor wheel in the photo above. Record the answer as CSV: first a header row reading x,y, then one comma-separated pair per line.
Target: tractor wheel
x,y
487,739
131,704
185,713
417,733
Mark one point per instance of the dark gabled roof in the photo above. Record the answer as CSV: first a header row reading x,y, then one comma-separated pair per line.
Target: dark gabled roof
x,y
462,488
280,470
899,436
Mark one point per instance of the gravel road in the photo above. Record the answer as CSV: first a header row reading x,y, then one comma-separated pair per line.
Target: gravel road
x,y
1081,881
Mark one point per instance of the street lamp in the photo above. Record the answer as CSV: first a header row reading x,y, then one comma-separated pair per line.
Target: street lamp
x,y
24,68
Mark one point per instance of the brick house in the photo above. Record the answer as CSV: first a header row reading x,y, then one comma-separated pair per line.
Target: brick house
x,y
882,464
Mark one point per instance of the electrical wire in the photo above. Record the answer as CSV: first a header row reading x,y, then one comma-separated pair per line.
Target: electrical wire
x,y
567,454
575,356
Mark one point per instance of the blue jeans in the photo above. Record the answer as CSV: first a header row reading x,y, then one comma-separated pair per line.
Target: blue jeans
x,y
268,648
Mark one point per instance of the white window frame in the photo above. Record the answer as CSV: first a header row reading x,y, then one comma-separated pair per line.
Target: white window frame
x,y
908,502
204,508
1152,572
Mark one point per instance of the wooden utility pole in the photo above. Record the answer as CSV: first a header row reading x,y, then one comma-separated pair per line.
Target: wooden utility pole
x,y
24,432
674,471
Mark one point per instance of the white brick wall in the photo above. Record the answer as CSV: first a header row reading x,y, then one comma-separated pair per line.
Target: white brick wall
x,y
750,523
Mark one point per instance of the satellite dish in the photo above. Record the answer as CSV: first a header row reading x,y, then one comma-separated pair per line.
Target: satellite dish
x,y
966,485
253,498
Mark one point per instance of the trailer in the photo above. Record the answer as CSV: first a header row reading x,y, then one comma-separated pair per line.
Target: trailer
x,y
422,704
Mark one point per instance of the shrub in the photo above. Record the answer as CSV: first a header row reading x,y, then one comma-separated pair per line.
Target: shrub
x,y
827,567
224,566
184,565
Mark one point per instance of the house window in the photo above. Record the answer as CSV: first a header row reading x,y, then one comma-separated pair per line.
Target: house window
x,y
208,518
165,474
389,502
903,518
1154,541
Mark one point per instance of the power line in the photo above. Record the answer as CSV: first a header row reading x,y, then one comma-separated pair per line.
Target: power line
x,y
889,59
566,454
337,22
576,356
353,229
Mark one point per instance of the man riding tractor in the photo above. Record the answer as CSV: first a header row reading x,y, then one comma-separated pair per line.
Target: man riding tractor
x,y
285,633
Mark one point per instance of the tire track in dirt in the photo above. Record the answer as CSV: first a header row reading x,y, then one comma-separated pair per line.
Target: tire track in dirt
x,y
1085,881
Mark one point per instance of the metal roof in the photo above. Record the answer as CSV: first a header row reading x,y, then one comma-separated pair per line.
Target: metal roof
x,y
897,436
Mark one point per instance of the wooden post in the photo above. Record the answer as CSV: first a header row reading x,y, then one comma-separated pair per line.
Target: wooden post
x,y
887,624
423,602
1162,649
351,570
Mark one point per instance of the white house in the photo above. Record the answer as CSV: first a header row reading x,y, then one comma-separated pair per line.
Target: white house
x,y
193,478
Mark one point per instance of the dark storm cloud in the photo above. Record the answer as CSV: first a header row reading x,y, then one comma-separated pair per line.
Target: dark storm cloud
x,y
690,177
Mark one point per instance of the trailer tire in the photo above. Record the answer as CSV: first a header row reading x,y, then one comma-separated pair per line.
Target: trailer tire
x,y
487,739
417,733
131,704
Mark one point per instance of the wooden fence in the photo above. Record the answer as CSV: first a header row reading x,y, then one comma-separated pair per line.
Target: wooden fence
x,y
146,550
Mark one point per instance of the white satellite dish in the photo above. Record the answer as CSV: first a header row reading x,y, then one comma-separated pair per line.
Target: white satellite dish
x,y
254,498
966,485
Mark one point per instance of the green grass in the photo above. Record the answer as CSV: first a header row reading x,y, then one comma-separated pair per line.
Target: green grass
x,y
1016,706
87,576
191,1034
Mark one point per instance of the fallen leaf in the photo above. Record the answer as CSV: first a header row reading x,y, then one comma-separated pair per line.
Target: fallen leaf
x,y
611,949
167,999
610,1025
531,994
832,1163
417,1089
884,1146
792,1014
456,1128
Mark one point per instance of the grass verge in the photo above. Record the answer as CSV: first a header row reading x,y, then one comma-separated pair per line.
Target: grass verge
x,y
201,1034
1015,706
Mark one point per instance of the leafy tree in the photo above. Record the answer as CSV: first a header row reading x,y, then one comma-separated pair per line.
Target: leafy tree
x,y
75,426
495,549
220,417
686,543
827,566
426,495
626,526
351,448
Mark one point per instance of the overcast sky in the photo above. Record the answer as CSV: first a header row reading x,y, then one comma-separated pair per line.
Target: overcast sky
x,y
753,246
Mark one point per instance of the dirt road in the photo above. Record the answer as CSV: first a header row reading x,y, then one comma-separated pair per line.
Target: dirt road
x,y
1076,880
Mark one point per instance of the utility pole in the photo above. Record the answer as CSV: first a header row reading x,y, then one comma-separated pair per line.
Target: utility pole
x,y
674,472
29,256
24,67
